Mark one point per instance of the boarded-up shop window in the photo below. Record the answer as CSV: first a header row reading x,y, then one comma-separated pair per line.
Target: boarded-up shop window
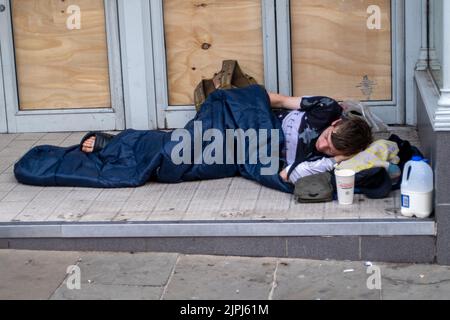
x,y
335,53
199,34
61,67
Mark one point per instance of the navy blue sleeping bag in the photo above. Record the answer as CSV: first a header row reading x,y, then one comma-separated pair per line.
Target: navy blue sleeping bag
x,y
134,158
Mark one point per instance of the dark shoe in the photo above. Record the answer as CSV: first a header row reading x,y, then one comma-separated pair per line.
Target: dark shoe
x,y
101,140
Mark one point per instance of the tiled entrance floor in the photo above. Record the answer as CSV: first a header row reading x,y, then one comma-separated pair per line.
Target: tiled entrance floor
x,y
220,200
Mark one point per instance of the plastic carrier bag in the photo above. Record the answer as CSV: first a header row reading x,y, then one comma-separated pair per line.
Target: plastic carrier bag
x,y
353,108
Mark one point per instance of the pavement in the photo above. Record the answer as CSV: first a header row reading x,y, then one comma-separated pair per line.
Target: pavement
x,y
216,200
41,275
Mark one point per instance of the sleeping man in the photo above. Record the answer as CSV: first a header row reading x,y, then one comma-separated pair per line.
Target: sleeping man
x,y
317,136
303,136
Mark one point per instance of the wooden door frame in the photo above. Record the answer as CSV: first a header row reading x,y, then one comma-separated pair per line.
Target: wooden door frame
x,y
3,120
387,110
70,119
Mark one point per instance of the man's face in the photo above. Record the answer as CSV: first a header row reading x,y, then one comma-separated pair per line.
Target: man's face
x,y
325,145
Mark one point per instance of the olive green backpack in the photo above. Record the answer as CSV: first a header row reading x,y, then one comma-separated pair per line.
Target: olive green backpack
x,y
231,76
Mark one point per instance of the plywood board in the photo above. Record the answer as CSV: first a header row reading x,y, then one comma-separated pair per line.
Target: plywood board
x,y
58,68
336,54
199,34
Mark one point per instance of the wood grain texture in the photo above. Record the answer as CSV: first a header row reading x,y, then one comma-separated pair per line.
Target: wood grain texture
x,y
199,34
335,54
58,68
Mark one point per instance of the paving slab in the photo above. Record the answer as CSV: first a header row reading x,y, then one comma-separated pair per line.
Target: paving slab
x,y
312,280
10,169
68,143
70,211
22,144
32,274
6,163
412,282
7,178
221,278
161,216
335,211
176,199
153,269
21,196
54,136
43,205
273,204
377,209
108,292
7,186
10,210
135,211
76,136
208,199
7,138
101,211
14,152
240,200
30,136
83,194
151,191
114,195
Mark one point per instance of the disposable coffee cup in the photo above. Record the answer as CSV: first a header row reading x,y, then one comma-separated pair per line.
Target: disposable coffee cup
x,y
345,182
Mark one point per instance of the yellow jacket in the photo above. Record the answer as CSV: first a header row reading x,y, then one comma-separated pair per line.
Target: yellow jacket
x,y
380,154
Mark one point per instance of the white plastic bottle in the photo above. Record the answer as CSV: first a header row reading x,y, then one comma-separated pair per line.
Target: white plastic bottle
x,y
417,189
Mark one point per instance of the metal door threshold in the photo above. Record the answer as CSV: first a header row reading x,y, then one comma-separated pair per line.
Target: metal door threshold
x,y
181,229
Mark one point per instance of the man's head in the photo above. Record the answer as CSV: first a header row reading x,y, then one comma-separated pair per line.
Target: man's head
x,y
345,137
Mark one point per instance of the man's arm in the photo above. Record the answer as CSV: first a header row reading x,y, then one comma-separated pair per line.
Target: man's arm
x,y
306,169
310,168
278,101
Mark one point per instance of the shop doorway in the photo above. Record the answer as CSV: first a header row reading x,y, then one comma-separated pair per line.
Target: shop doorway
x,y
61,66
349,50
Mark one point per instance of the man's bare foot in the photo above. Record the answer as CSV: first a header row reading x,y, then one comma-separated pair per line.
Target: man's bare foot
x,y
88,145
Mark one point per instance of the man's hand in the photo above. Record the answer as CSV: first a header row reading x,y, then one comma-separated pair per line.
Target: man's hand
x,y
284,176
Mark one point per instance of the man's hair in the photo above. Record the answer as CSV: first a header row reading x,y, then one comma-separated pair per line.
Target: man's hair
x,y
353,136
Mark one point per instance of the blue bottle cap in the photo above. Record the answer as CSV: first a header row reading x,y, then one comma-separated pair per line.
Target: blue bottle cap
x,y
417,158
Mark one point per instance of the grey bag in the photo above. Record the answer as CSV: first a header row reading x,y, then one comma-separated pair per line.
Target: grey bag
x,y
314,189
354,108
